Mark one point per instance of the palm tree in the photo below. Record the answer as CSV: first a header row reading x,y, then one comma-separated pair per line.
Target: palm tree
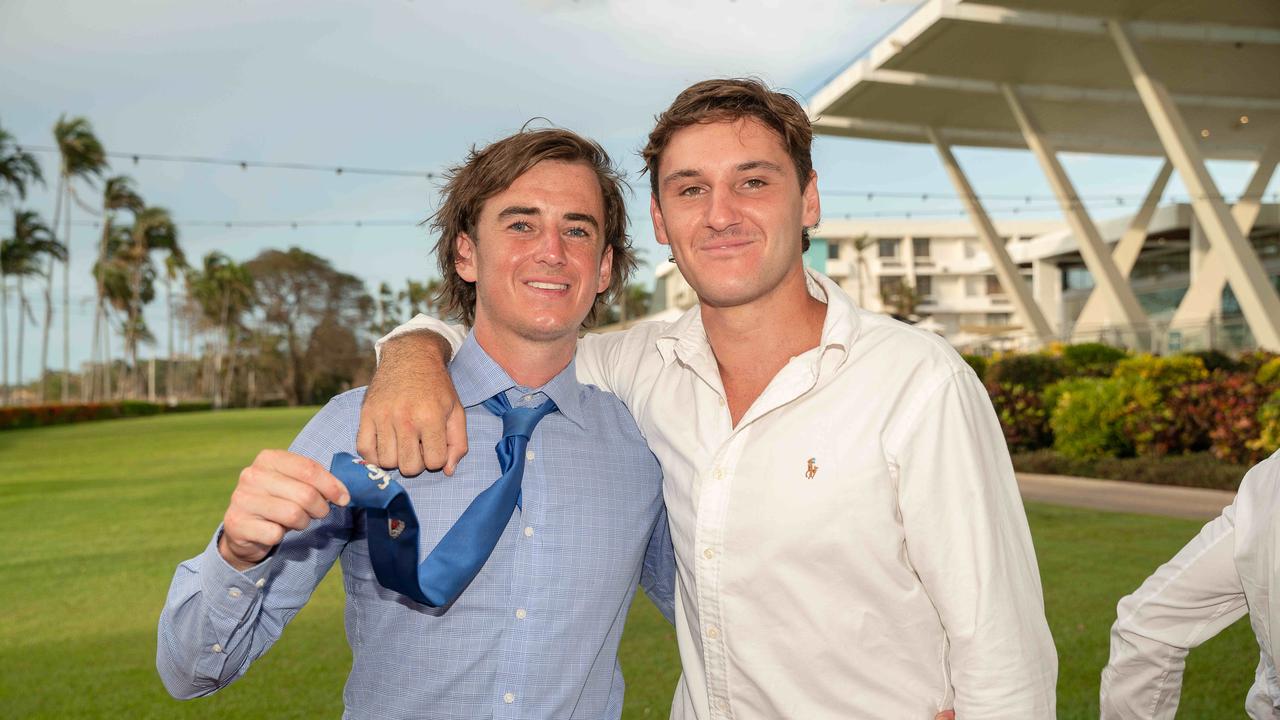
x,y
21,256
82,157
224,291
18,169
152,230
175,266
117,194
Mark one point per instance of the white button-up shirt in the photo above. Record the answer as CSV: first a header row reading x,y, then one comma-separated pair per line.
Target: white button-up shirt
x,y
855,547
1225,571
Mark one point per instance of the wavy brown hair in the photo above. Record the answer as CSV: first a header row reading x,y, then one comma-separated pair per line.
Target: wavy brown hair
x,y
727,100
488,171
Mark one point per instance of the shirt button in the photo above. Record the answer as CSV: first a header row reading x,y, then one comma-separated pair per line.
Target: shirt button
x,y
722,704
528,532
528,455
509,698
234,592
718,473
708,553
713,632
521,614
216,648
261,582
720,400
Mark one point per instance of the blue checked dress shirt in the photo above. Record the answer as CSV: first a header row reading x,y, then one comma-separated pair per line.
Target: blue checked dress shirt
x,y
536,633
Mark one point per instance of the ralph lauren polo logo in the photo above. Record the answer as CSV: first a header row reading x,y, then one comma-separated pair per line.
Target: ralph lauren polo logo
x,y
811,469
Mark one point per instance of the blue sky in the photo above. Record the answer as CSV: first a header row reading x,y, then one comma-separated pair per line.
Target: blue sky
x,y
411,84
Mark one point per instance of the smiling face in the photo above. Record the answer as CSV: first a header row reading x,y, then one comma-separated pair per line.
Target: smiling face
x,y
537,255
732,209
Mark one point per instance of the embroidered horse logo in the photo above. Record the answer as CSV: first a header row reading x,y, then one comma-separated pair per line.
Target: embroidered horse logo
x,y
811,469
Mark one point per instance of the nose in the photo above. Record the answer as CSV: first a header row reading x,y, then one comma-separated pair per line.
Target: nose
x,y
551,247
722,211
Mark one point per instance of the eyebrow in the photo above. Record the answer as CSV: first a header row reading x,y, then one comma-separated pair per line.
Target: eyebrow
x,y
742,167
525,210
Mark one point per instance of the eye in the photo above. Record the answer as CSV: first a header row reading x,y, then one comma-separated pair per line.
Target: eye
x,y
520,226
755,183
579,232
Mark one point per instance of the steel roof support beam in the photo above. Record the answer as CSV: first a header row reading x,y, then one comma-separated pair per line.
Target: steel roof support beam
x,y
1204,296
1122,303
1126,251
1258,299
1010,279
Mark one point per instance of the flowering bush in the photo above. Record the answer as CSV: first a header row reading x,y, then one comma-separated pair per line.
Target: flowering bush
x,y
1268,440
1086,419
1091,359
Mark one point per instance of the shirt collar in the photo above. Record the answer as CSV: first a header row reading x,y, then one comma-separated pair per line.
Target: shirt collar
x,y
478,377
685,339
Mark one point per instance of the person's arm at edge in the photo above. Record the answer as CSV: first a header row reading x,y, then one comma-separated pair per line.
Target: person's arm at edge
x,y
412,419
1189,599
212,605
967,538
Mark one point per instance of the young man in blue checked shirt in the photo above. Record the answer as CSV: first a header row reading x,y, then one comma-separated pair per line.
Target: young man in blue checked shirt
x,y
532,242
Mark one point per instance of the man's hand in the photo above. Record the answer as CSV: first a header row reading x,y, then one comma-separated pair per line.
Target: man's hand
x,y
945,715
280,491
412,419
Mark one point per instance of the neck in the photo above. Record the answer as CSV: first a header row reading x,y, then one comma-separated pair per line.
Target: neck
x,y
783,323
531,363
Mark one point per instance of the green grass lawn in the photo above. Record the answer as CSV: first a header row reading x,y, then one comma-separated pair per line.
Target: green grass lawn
x,y
96,517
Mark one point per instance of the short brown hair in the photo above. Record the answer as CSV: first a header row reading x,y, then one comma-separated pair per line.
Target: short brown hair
x,y
727,100
490,170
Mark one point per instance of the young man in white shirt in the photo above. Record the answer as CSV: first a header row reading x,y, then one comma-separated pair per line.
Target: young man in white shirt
x,y
1226,571
849,537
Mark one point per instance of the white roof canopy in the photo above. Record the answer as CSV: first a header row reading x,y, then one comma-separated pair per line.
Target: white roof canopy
x,y
944,67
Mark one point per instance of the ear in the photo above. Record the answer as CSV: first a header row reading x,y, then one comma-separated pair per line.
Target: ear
x,y
606,269
812,204
465,264
659,227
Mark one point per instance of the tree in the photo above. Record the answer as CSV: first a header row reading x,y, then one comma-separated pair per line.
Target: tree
x,y
900,300
297,292
82,157
22,256
633,303
117,194
224,291
18,169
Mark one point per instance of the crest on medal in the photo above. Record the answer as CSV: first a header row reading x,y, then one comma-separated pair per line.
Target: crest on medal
x,y
394,527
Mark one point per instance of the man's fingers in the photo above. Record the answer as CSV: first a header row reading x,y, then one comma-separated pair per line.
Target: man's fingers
x,y
410,453
386,455
945,715
249,537
434,441
456,437
278,465
367,437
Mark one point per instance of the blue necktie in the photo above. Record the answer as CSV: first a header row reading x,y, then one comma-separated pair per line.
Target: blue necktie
x,y
393,525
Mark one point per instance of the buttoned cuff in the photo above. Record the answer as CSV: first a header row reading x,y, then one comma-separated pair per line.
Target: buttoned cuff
x,y
230,593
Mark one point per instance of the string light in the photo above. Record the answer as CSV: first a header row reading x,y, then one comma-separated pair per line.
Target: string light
x,y
246,164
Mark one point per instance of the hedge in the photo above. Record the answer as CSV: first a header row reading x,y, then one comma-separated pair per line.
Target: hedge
x,y
29,416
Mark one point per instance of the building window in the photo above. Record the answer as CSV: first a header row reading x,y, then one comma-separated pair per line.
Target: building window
x,y
924,286
888,248
920,248
970,249
993,286
833,250
890,285
998,319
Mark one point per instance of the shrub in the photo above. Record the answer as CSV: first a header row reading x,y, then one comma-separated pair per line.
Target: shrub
x,y
1086,421
1196,470
1268,374
1215,360
1165,372
1034,372
1091,359
1268,440
1015,383
30,416
1234,428
978,363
